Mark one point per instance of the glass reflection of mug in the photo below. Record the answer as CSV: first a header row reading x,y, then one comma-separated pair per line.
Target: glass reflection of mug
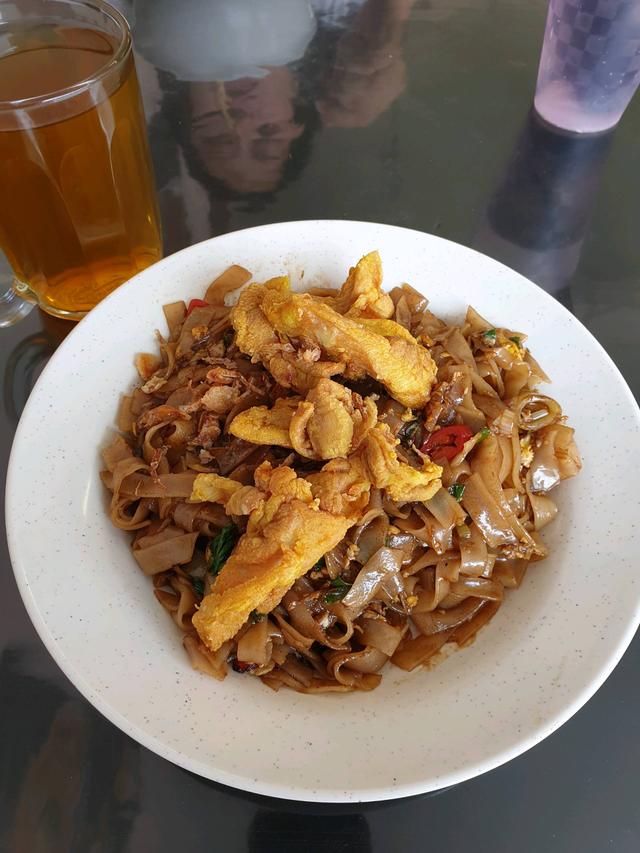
x,y
539,213
78,212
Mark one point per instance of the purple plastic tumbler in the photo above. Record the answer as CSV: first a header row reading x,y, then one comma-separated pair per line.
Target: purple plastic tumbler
x,y
590,63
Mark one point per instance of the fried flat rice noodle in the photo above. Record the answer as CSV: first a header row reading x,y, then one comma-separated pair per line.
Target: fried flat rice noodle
x,y
404,579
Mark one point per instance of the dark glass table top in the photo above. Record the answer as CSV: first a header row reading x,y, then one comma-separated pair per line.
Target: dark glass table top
x,y
412,113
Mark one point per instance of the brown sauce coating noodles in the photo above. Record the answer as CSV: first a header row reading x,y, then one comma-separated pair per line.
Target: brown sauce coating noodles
x,y
410,575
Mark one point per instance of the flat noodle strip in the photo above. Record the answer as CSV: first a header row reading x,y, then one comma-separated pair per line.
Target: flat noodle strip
x,y
419,650
164,486
231,279
157,557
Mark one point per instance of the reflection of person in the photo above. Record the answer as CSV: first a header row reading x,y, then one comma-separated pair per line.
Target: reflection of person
x,y
242,131
242,139
368,73
74,778
247,137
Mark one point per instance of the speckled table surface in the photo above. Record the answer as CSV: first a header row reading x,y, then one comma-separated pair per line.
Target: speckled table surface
x,y
413,113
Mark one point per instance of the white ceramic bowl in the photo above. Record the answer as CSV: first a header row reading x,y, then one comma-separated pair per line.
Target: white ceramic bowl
x,y
548,649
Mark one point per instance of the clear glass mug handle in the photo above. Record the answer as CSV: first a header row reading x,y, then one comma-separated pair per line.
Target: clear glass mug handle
x,y
13,307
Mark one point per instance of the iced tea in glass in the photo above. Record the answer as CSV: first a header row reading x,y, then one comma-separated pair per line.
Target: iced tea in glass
x,y
78,211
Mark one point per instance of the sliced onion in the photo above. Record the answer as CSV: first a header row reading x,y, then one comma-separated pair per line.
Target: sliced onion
x,y
385,562
534,411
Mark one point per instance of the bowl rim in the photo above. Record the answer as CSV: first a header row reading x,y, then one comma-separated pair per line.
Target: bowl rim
x,y
537,732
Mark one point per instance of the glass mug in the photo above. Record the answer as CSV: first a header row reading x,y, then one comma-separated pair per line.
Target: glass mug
x,y
78,210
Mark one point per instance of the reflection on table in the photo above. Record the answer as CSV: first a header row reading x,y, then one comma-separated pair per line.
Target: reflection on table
x,y
235,124
536,220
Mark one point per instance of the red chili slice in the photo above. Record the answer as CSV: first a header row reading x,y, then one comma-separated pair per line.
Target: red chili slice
x,y
196,303
243,666
447,442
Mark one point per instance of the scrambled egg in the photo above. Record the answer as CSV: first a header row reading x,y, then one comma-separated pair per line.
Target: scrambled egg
x,y
303,340
254,333
361,295
516,350
386,471
387,328
261,425
293,521
361,341
526,451
404,367
332,421
286,535
212,488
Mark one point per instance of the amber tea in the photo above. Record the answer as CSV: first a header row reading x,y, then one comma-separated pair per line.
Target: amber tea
x,y
77,201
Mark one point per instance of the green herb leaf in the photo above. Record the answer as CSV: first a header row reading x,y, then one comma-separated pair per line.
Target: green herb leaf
x,y
485,432
457,490
408,432
340,589
490,335
198,585
319,565
332,597
254,616
221,546
516,340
